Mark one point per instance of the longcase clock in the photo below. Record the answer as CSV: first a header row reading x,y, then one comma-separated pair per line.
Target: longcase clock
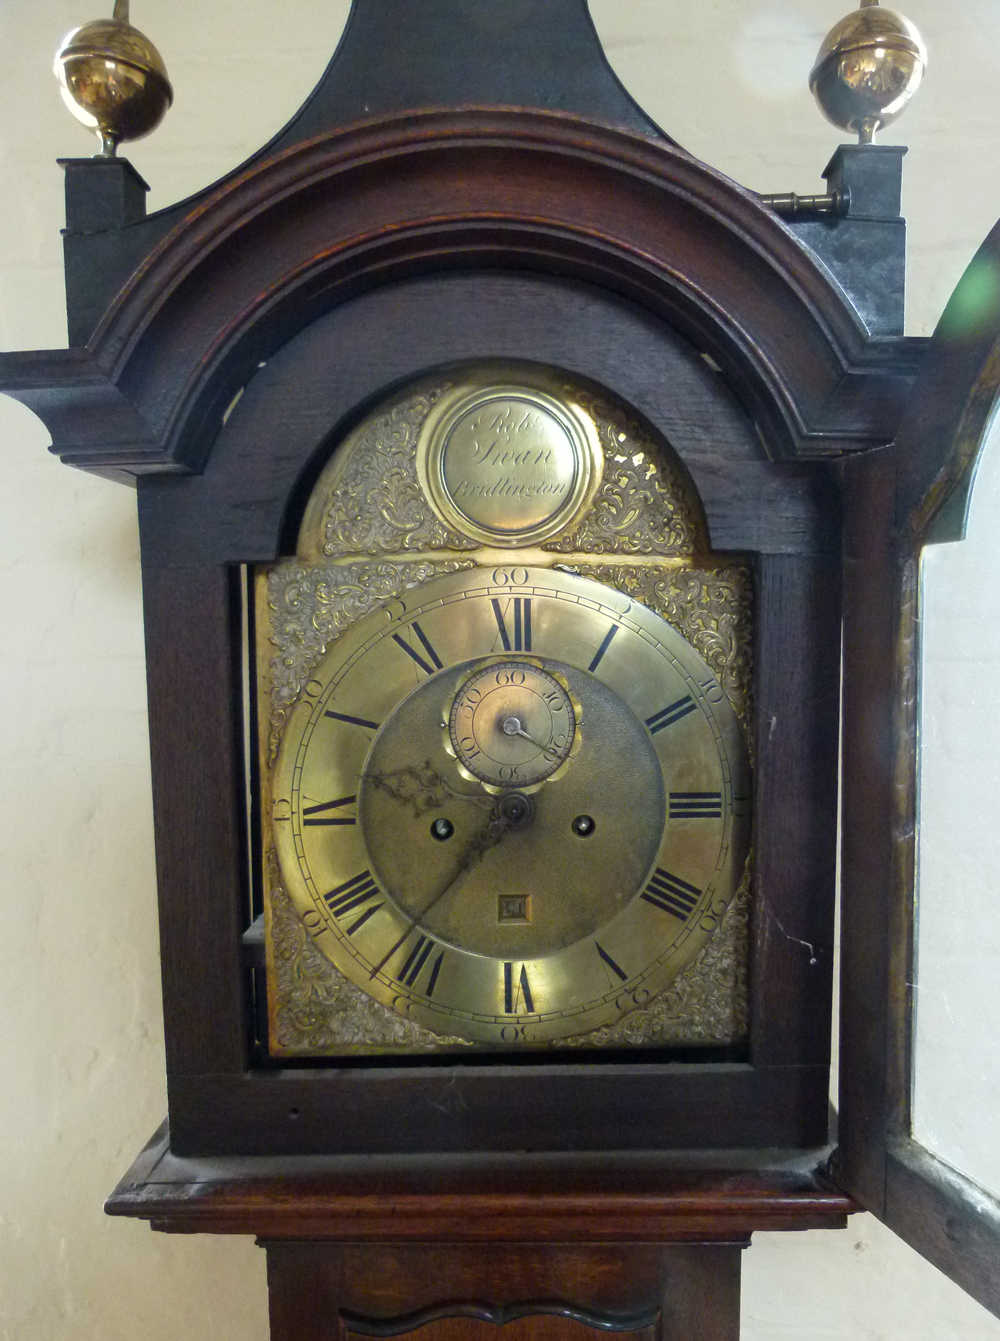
x,y
497,465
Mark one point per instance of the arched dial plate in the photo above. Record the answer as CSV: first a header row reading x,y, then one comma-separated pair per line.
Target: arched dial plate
x,y
525,909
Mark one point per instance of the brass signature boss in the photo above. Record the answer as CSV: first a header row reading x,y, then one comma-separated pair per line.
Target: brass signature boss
x,y
508,464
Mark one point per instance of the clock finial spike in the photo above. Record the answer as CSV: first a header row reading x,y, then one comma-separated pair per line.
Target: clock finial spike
x,y
868,68
113,79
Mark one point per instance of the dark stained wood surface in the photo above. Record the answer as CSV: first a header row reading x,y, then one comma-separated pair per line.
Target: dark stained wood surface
x,y
198,787
947,1218
797,678
296,236
870,620
298,405
597,1104
319,1291
895,501
574,1197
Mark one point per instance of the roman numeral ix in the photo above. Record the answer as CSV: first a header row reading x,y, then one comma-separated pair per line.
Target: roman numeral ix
x,y
671,894
696,805
522,624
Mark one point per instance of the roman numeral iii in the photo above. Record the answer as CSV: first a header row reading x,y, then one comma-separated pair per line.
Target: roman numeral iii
x,y
696,805
521,641
671,894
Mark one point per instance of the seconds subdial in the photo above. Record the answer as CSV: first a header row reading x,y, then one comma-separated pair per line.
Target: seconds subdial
x,y
512,724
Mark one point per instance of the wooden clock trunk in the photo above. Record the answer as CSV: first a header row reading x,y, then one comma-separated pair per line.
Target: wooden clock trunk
x,y
221,351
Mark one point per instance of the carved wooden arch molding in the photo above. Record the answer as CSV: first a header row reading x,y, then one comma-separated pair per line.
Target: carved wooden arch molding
x,y
296,235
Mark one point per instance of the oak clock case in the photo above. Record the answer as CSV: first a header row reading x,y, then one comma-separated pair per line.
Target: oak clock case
x,y
503,695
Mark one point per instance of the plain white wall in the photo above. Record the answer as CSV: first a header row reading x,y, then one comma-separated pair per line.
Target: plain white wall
x,y
81,1069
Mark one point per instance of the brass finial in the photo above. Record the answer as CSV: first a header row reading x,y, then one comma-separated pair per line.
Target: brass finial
x,y
868,68
113,79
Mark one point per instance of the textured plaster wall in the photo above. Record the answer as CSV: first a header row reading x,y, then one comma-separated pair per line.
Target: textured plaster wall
x,y
81,1071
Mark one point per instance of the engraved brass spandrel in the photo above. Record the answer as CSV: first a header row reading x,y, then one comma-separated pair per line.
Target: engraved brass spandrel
x,y
302,608
712,606
314,1008
706,1004
386,492
368,499
645,503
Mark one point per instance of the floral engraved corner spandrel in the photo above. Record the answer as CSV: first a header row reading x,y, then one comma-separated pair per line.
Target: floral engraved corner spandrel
x,y
706,1004
316,1008
372,501
311,605
643,505
711,607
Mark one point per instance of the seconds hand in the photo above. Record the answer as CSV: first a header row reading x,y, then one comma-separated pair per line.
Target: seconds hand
x,y
512,727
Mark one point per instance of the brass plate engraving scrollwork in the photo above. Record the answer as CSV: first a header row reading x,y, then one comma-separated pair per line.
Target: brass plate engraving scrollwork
x,y
314,1007
369,500
643,506
302,608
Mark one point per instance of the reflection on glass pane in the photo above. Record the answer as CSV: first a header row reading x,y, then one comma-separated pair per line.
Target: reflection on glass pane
x,y
956,1101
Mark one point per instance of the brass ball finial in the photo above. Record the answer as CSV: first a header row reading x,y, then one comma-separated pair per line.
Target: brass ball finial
x,y
868,68
113,79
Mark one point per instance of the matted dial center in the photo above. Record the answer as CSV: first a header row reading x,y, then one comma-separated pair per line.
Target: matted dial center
x,y
512,724
510,845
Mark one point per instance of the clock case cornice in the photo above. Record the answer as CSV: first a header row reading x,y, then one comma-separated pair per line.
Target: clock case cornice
x,y
298,234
